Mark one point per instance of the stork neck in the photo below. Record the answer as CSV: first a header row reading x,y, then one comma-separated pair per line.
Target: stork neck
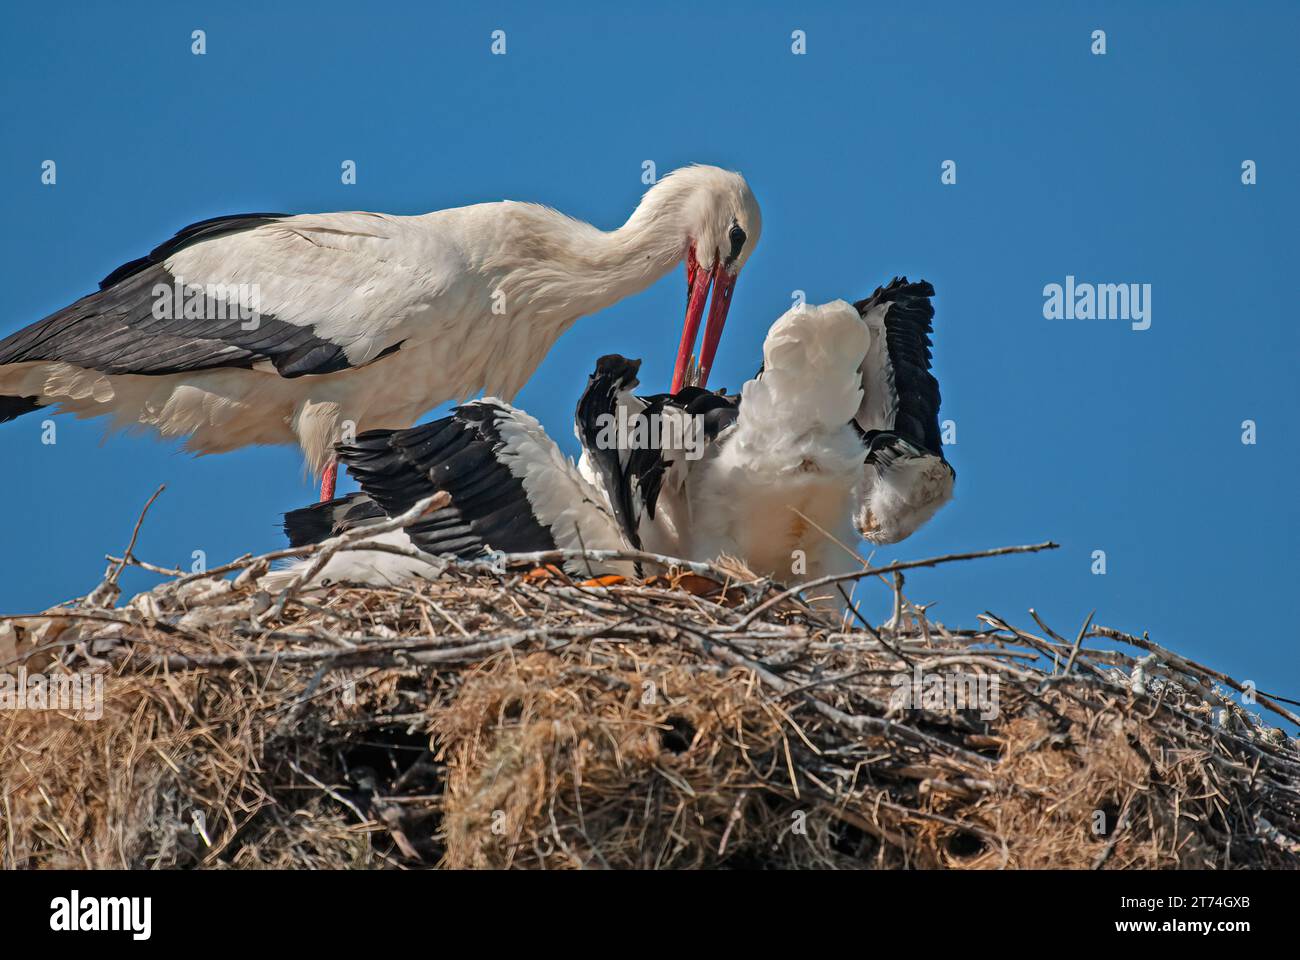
x,y
633,257
571,268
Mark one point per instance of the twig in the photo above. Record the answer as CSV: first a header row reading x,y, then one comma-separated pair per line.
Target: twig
x,y
888,568
1078,641
105,595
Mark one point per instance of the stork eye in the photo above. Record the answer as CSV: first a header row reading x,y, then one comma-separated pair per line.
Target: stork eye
x,y
737,238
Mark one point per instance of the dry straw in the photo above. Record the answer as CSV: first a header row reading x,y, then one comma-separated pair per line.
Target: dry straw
x,y
701,718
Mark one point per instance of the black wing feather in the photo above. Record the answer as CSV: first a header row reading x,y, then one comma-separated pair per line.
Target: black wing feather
x,y
908,325
717,411
321,521
632,474
613,375
489,507
13,407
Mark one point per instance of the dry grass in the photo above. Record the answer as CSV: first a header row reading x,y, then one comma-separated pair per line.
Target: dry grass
x,y
517,720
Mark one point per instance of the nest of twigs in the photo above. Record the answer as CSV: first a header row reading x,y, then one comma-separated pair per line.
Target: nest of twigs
x,y
700,718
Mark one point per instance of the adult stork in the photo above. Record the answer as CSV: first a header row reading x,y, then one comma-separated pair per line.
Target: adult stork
x,y
270,328
773,476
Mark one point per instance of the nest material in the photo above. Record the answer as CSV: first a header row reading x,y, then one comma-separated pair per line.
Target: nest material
x,y
527,720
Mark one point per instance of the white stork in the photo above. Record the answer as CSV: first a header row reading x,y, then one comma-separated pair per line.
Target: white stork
x,y
270,328
779,477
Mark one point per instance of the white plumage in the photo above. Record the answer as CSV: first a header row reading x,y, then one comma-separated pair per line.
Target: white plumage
x,y
776,486
373,567
780,490
362,320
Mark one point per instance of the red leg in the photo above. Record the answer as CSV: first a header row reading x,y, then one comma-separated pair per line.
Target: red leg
x,y
327,481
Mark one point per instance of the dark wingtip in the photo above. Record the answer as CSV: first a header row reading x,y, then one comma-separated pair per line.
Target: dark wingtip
x,y
367,439
320,521
308,525
900,289
618,368
11,408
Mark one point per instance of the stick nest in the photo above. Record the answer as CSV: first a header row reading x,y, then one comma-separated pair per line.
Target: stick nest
x,y
522,719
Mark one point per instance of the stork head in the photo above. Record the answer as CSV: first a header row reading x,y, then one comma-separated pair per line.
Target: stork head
x,y
721,222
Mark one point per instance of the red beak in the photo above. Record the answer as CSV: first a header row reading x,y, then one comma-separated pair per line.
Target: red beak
x,y
723,284
698,282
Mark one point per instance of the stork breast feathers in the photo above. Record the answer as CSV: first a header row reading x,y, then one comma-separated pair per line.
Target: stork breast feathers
x,y
810,368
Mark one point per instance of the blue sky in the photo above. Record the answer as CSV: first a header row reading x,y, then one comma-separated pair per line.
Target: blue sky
x,y
1122,168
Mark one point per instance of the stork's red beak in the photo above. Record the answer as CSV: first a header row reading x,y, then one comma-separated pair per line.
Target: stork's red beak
x,y
698,282
723,284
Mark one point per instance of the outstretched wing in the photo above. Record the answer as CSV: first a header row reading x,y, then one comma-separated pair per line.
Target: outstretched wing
x,y
512,490
489,508
900,394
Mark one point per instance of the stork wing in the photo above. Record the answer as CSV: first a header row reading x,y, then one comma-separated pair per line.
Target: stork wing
x,y
234,292
330,518
629,461
900,395
597,426
511,488
711,413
